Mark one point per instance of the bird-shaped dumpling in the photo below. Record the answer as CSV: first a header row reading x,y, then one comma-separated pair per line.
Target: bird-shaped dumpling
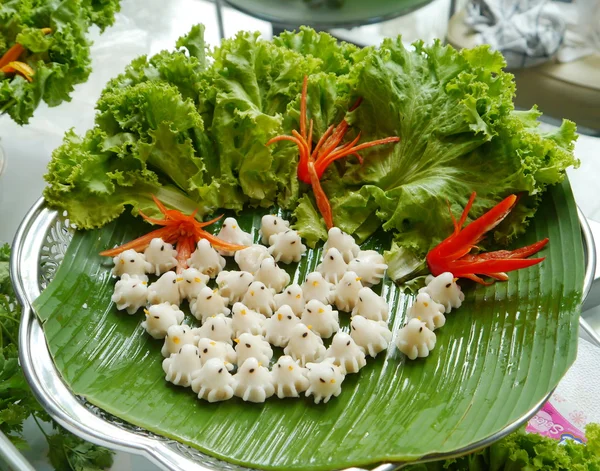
x,y
333,265
130,293
427,310
278,328
253,346
249,259
132,263
177,336
165,289
160,317
317,287
213,382
181,366
346,291
286,247
372,336
271,224
444,290
324,321
325,380
415,339
206,259
272,276
293,297
246,320
161,255
304,345
234,284
208,349
192,282
345,353
208,303
260,298
253,382
289,377
217,328
232,232
371,305
370,266
343,242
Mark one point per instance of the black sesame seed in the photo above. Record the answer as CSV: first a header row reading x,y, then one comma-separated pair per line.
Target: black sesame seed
x,y
322,380
162,248
448,285
220,370
331,257
132,260
241,275
309,311
305,334
248,345
274,222
420,329
251,370
156,317
348,343
205,350
292,242
212,327
290,317
209,297
189,281
262,287
174,281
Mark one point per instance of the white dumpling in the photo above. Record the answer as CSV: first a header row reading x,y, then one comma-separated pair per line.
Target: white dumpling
x,y
253,346
217,328
343,242
427,310
325,381
370,266
289,377
234,284
253,382
192,282
286,247
260,298
213,382
246,320
346,291
177,336
333,265
271,224
278,328
415,339
132,263
208,303
181,366
165,289
249,259
345,353
372,336
130,293
293,297
304,345
160,317
232,232
371,306
317,287
321,318
161,255
206,259
272,276
444,290
209,349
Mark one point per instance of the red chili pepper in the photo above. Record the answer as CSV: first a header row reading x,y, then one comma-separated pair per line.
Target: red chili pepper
x,y
453,253
327,151
178,228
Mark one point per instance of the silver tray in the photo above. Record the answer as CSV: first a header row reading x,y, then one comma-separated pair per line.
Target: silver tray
x,y
38,249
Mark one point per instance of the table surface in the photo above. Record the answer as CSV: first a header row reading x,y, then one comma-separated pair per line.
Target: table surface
x,y
146,27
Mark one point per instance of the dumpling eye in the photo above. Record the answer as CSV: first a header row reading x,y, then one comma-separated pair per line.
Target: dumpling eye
x,y
350,284
309,311
448,285
305,334
162,248
348,343
331,257
360,299
352,327
251,370
420,329
248,345
212,327
205,350
292,242
132,260
224,225
289,292
156,317
180,349
188,281
322,380
290,317
274,222
262,287
241,275
209,297
220,370
174,281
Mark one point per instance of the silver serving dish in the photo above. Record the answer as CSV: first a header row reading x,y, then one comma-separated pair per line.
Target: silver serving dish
x,y
38,250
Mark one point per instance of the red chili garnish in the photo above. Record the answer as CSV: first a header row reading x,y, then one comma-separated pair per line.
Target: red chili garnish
x,y
180,229
313,163
10,65
453,253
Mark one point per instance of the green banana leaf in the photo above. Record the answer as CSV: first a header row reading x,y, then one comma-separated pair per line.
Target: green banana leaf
x,y
497,356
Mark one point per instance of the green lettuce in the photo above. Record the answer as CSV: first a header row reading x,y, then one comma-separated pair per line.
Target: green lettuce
x,y
193,124
60,59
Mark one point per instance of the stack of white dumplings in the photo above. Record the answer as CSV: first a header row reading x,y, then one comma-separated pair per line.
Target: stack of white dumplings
x,y
256,307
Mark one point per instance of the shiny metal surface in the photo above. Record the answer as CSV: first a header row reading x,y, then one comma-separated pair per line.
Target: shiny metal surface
x,y
37,251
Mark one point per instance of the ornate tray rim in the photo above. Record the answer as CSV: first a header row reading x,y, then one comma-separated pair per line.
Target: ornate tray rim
x,y
90,422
